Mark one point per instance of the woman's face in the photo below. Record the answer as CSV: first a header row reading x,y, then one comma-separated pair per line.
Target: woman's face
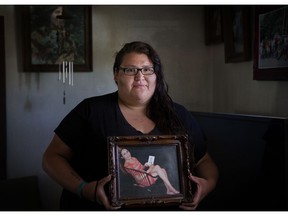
x,y
54,21
139,88
125,154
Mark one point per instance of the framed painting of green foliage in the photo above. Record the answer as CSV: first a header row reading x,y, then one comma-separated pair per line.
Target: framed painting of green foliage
x,y
149,170
271,43
53,34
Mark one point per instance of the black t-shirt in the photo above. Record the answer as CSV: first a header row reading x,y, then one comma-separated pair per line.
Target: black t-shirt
x,y
86,128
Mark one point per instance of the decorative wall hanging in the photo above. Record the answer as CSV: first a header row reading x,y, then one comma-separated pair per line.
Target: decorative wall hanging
x,y
55,34
271,43
213,25
237,33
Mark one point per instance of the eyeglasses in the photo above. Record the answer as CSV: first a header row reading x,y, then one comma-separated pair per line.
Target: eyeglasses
x,y
134,71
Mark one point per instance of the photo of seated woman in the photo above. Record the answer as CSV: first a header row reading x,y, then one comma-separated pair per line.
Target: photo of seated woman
x,y
146,176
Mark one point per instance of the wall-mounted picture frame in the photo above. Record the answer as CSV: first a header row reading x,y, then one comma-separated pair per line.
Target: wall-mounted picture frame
x,y
136,164
237,33
271,43
213,25
53,34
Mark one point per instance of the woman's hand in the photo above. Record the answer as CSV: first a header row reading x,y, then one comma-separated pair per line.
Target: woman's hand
x,y
147,164
201,192
98,194
207,171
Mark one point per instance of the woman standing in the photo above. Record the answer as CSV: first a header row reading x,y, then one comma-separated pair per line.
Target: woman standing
x,y
77,155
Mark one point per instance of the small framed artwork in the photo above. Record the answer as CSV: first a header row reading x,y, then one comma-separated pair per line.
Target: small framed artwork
x,y
237,33
53,34
150,170
271,43
213,25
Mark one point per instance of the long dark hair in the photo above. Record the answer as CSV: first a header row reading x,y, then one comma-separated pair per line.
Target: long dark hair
x,y
161,107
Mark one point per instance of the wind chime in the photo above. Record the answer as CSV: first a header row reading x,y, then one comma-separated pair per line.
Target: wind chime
x,y
66,75
66,70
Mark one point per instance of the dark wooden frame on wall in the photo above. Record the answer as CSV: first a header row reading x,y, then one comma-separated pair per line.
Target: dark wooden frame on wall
x,y
213,20
28,66
272,74
231,52
122,193
2,102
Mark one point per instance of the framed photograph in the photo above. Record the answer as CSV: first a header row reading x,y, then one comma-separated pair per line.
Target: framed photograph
x,y
150,170
271,43
213,25
53,34
237,33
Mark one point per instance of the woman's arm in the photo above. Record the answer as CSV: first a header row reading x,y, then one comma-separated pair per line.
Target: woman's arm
x,y
56,163
205,178
207,169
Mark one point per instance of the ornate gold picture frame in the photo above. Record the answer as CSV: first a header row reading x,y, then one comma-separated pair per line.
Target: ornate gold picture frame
x,y
133,164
